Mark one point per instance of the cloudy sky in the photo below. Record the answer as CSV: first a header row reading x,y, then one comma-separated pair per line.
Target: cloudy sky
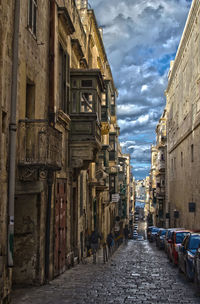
x,y
141,38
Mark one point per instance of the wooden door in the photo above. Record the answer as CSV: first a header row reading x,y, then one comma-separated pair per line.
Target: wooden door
x,y
60,226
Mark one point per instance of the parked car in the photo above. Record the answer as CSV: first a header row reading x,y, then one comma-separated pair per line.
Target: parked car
x,y
149,231
175,242
197,268
135,226
186,254
140,238
160,240
168,239
153,234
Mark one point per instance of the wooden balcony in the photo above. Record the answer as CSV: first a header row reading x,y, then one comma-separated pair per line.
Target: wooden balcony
x,y
85,138
39,144
85,114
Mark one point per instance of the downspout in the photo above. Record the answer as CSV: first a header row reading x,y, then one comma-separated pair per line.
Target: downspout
x,y
52,62
12,136
48,227
52,122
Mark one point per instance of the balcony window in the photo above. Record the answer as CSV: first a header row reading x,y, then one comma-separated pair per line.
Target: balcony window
x,y
86,83
103,100
74,103
113,100
86,102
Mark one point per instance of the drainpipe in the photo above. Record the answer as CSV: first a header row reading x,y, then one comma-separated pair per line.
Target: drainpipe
x,y
51,112
48,226
52,62
12,136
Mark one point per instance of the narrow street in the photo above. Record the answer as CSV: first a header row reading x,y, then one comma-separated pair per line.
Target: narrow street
x,y
137,273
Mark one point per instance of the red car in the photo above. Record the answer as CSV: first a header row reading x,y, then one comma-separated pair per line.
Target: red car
x,y
175,242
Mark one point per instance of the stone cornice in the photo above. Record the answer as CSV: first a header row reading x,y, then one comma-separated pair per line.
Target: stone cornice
x,y
66,19
186,34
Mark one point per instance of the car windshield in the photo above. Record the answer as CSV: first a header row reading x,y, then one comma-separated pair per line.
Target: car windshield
x,y
194,242
163,232
180,237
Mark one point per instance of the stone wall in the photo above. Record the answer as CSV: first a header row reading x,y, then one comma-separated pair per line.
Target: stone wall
x,y
183,108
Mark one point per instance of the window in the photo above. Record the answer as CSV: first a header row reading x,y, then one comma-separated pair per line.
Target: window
x,y
64,80
74,84
192,153
30,100
81,194
74,105
32,16
86,102
181,159
86,83
4,116
112,182
103,100
172,165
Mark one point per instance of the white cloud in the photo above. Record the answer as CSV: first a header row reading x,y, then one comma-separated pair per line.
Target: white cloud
x,y
141,37
144,88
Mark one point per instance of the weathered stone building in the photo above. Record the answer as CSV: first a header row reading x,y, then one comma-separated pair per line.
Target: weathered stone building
x,y
152,187
58,139
161,147
183,131
147,198
124,184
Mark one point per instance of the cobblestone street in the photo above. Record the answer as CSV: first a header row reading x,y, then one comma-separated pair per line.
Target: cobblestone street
x,y
137,273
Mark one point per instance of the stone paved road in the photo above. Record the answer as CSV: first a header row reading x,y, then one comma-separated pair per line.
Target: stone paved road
x,y
137,273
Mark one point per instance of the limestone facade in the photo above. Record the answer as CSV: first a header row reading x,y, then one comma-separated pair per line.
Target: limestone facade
x,y
161,146
183,131
66,153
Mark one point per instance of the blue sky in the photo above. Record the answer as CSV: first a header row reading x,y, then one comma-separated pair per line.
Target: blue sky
x,y
141,37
